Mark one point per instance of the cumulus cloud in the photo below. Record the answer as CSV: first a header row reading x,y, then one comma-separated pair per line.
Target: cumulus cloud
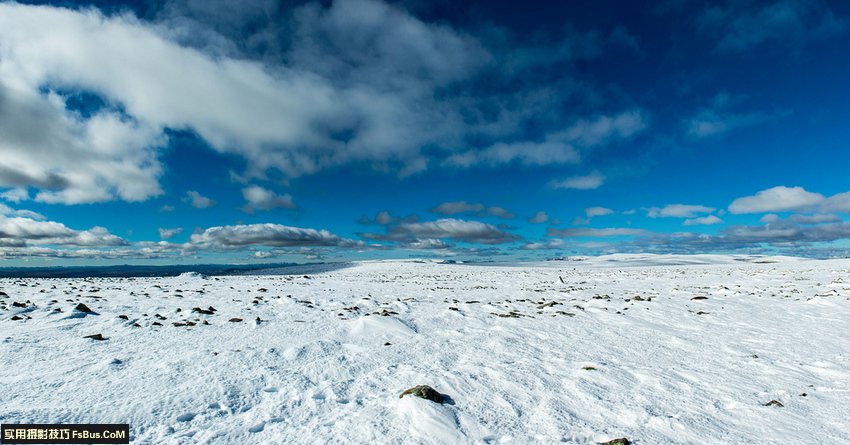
x,y
677,211
272,235
22,231
446,228
599,233
169,233
588,182
198,201
69,158
777,199
539,218
741,26
259,198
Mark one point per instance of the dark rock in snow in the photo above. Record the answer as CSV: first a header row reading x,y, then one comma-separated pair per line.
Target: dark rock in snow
x,y
98,337
83,308
425,392
620,441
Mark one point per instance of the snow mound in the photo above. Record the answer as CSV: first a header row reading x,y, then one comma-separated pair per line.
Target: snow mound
x,y
192,276
430,422
372,327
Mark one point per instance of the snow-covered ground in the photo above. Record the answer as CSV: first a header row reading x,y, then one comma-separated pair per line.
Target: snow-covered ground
x,y
562,352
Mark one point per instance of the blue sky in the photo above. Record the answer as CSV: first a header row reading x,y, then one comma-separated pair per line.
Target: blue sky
x,y
180,131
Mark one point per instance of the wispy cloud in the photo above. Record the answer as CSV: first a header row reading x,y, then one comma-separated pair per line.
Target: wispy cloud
x,y
446,228
703,221
198,200
461,207
721,117
677,211
597,233
539,218
587,182
169,233
741,26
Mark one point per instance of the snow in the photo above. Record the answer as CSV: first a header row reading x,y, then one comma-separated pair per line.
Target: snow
x,y
323,365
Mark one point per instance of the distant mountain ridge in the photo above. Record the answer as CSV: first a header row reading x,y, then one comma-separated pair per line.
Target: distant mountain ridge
x,y
127,270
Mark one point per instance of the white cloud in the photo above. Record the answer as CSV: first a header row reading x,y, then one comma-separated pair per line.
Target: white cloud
x,y
358,86
703,221
259,198
22,231
15,195
539,218
777,199
677,211
769,218
70,159
169,233
597,211
198,201
839,203
588,182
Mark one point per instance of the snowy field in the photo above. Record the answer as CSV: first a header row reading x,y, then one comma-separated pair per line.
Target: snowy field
x,y
684,350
